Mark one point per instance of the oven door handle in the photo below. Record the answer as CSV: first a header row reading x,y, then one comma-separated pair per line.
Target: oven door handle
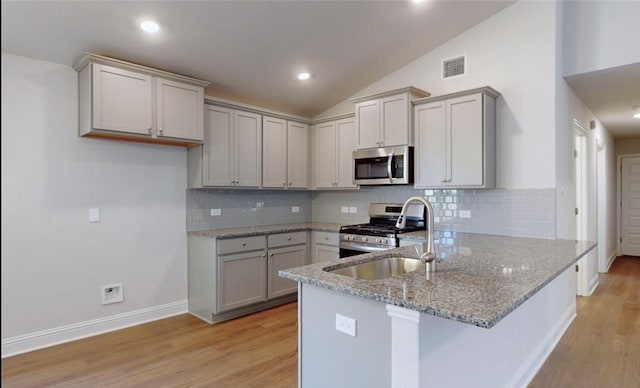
x,y
363,249
389,172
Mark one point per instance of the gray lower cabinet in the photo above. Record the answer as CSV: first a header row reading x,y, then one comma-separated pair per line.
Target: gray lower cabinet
x,y
230,277
241,280
286,250
325,247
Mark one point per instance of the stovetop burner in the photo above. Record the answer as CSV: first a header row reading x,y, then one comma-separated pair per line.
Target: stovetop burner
x,y
382,221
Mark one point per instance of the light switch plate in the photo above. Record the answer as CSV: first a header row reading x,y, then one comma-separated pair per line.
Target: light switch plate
x,y
464,213
344,209
295,209
94,215
346,325
216,212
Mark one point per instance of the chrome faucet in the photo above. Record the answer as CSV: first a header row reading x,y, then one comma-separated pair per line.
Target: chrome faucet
x,y
429,257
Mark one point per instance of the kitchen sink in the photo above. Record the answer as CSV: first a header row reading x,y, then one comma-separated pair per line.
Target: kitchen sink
x,y
380,269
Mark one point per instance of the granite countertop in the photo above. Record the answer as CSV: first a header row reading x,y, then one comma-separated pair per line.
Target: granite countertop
x,y
248,231
480,278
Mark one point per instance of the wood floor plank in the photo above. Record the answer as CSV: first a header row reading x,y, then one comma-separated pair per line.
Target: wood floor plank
x,y
601,348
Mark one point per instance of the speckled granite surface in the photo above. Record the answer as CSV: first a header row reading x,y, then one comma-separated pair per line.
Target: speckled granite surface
x,y
480,278
260,230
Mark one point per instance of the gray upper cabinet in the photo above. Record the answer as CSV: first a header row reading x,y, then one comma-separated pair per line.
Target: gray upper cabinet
x,y
334,143
121,100
284,154
231,155
385,119
455,140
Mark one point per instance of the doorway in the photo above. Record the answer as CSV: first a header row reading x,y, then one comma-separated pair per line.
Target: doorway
x,y
629,225
581,177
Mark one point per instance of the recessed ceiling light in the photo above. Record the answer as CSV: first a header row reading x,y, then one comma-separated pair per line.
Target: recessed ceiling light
x,y
303,76
636,111
417,1
149,26
636,115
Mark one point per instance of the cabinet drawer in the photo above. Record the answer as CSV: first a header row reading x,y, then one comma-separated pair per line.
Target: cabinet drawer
x,y
284,239
241,244
327,238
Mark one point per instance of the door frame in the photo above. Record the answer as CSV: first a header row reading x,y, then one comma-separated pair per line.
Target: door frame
x,y
581,194
619,207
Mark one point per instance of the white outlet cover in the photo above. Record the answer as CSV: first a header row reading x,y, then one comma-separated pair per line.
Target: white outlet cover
x,y
464,213
344,209
295,209
346,325
216,212
94,215
112,293
353,209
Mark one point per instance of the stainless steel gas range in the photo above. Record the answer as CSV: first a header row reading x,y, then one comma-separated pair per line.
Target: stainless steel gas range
x,y
380,233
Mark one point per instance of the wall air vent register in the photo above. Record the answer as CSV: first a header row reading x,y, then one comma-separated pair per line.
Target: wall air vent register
x,y
454,67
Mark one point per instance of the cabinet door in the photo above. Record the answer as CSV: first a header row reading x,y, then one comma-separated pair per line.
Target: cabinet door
x,y
395,121
464,119
325,155
217,169
179,110
323,253
297,155
274,152
368,124
241,280
431,145
122,100
247,158
284,258
346,144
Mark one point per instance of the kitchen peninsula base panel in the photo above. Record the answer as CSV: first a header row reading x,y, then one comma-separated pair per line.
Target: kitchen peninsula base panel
x,y
217,318
450,353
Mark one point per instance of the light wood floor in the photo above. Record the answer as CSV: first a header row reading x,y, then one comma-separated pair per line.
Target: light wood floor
x,y
600,349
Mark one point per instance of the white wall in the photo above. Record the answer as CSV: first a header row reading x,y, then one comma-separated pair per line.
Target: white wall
x,y
627,146
54,261
513,52
600,35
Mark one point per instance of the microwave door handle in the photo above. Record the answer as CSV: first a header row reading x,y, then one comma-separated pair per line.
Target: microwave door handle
x,y
389,172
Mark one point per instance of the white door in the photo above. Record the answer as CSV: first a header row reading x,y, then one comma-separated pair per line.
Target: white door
x,y
580,179
630,215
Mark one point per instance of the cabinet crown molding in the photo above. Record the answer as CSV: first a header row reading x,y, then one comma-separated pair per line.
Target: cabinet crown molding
x,y
418,93
88,58
488,90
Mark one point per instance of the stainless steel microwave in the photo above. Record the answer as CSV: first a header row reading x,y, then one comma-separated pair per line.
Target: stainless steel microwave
x,y
383,166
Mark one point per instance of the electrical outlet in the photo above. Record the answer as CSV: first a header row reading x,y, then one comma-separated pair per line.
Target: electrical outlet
x,y
216,212
112,293
295,209
464,213
353,209
346,325
344,209
94,215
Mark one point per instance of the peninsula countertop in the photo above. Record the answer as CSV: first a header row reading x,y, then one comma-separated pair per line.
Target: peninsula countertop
x,y
480,278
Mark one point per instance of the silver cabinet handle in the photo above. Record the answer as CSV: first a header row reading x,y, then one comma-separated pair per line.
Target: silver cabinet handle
x,y
443,181
244,244
271,255
326,238
389,173
290,183
288,238
149,129
160,130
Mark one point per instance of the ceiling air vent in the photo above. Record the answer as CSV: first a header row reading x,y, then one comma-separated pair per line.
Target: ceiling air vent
x,y
454,67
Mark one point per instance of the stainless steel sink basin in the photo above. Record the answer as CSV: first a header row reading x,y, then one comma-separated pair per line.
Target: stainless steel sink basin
x,y
380,269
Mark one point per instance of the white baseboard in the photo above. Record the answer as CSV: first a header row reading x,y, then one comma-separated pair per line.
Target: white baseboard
x,y
533,363
611,259
594,284
45,338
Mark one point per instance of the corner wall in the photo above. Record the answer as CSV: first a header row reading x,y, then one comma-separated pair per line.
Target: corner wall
x,y
54,262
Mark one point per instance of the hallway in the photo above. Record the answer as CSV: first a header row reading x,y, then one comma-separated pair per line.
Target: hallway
x,y
601,348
